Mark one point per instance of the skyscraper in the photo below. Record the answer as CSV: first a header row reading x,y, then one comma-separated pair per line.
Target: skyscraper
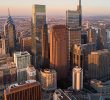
x,y
74,18
74,24
59,50
45,48
10,34
38,21
98,64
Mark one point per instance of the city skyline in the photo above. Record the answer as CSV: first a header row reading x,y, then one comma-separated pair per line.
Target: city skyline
x,y
90,7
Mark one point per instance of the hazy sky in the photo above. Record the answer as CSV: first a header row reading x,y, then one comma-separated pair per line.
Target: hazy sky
x,y
55,7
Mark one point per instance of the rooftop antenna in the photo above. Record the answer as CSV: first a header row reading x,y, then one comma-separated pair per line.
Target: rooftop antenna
x,y
80,11
8,12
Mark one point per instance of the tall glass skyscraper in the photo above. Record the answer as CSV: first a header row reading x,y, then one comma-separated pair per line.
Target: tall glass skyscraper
x,y
38,22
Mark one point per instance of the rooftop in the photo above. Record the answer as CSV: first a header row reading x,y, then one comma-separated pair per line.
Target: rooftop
x,y
100,51
31,68
18,54
61,95
22,86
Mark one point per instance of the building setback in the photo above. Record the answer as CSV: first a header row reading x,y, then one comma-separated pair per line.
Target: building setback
x,y
30,90
59,50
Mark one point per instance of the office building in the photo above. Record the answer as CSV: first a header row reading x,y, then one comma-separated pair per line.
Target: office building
x,y
38,22
84,38
48,79
45,47
98,65
22,61
9,72
102,38
29,90
10,34
80,54
2,46
59,50
92,35
108,34
74,26
77,81
25,43
31,73
74,18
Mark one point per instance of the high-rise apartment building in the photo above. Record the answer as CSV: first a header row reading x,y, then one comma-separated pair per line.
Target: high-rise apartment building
x,y
29,90
10,34
48,79
38,22
59,50
22,61
99,64
77,81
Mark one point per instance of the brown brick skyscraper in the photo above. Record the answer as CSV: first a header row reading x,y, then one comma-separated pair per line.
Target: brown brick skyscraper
x,y
59,50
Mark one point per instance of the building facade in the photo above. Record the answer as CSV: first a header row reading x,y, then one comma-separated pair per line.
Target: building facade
x,y
48,79
31,73
38,22
9,72
98,64
74,25
22,61
30,90
45,47
59,50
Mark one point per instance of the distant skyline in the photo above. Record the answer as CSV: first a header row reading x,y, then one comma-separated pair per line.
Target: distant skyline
x,y
54,7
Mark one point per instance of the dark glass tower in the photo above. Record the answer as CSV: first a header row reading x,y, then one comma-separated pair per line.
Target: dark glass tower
x,y
38,21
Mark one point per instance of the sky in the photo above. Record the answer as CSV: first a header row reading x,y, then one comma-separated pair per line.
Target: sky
x,y
54,7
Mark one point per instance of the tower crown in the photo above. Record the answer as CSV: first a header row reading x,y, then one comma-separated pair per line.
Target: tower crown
x,y
9,20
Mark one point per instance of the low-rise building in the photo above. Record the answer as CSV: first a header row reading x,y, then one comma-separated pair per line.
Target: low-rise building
x,y
101,87
60,95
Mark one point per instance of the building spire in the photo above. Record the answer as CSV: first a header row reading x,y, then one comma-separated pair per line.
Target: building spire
x,y
8,12
80,11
